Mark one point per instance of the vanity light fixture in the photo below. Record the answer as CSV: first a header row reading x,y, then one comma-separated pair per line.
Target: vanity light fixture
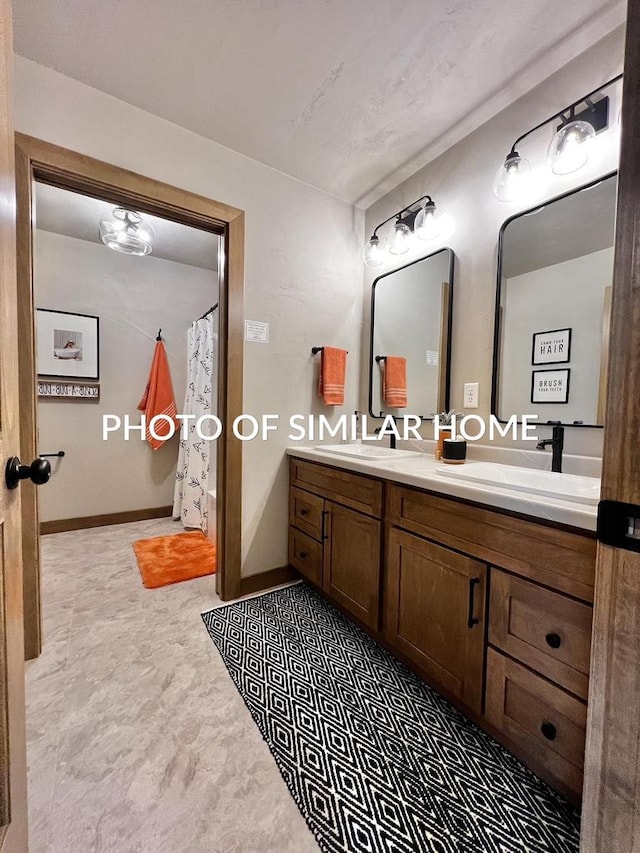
x,y
401,240
512,177
428,222
420,219
569,149
126,231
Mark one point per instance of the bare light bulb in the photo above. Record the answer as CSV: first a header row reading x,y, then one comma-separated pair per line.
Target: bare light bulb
x,y
428,222
570,147
401,240
373,253
513,178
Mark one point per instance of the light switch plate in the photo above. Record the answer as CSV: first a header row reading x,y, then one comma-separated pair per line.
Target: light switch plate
x,y
471,394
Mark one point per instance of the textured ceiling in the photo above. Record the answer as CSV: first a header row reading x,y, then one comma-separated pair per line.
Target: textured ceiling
x,y
347,95
75,215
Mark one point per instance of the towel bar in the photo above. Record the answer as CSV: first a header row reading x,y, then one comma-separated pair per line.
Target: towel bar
x,y
380,358
316,350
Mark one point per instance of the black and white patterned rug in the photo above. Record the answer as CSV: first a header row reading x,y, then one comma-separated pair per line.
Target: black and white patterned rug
x,y
376,761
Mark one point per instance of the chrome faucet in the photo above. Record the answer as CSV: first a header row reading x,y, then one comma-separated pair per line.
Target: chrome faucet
x,y
557,445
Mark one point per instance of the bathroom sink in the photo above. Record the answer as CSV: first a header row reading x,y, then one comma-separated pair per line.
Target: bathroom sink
x,y
366,451
569,487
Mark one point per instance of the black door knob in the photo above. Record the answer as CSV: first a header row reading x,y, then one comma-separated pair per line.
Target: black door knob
x,y
38,472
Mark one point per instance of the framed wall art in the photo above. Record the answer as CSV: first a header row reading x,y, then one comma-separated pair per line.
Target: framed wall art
x,y
550,386
552,347
68,345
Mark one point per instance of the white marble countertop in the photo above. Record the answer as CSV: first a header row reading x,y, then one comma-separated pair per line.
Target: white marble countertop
x,y
421,471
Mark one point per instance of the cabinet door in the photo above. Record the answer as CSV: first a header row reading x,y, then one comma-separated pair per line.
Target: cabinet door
x,y
436,613
352,551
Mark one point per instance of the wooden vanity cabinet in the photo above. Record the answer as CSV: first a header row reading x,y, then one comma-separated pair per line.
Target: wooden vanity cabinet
x,y
493,609
333,545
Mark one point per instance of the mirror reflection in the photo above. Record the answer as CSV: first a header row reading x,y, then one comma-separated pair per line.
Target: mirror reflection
x,y
553,308
410,338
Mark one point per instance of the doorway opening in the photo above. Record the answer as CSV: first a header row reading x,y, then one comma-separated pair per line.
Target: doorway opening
x,y
100,316
196,286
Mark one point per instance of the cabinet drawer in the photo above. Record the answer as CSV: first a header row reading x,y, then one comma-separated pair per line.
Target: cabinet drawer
x,y
545,630
305,512
553,557
305,555
343,487
545,725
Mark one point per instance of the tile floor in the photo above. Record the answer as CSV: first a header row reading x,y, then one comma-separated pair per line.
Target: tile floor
x,y
137,739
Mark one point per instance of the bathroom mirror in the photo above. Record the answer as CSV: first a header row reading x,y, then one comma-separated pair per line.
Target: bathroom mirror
x,y
411,319
553,305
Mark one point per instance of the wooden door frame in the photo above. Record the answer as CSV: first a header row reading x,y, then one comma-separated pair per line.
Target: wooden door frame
x,y
611,803
51,164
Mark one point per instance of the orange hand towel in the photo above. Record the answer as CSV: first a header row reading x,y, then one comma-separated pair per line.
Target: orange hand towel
x,y
333,367
394,386
158,398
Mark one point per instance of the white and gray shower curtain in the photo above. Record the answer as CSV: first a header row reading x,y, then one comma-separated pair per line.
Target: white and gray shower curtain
x,y
196,458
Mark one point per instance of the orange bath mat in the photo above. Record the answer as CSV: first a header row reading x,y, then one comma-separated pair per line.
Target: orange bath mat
x,y
171,559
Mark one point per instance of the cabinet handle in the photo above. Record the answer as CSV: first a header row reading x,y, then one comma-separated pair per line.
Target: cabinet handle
x,y
302,555
472,620
304,512
549,731
325,513
554,640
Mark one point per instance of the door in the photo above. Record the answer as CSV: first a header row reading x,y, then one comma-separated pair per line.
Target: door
x,y
611,803
13,783
436,608
351,572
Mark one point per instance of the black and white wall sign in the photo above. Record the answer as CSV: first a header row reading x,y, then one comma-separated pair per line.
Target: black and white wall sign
x,y
69,390
550,386
552,347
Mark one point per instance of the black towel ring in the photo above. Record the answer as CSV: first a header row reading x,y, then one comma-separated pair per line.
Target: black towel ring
x,y
159,336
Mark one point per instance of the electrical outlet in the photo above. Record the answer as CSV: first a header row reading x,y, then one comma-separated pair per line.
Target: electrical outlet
x,y
471,394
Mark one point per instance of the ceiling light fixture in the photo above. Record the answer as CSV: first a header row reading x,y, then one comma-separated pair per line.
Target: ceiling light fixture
x,y
569,149
127,232
420,219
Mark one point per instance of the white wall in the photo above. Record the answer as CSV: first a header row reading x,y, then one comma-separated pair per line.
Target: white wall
x,y
460,181
303,271
569,295
133,297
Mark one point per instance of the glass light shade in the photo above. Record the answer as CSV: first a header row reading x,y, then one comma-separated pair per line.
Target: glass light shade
x,y
401,240
428,222
569,148
373,253
127,232
512,179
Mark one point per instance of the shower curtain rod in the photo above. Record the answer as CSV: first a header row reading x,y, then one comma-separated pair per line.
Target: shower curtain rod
x,y
209,311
